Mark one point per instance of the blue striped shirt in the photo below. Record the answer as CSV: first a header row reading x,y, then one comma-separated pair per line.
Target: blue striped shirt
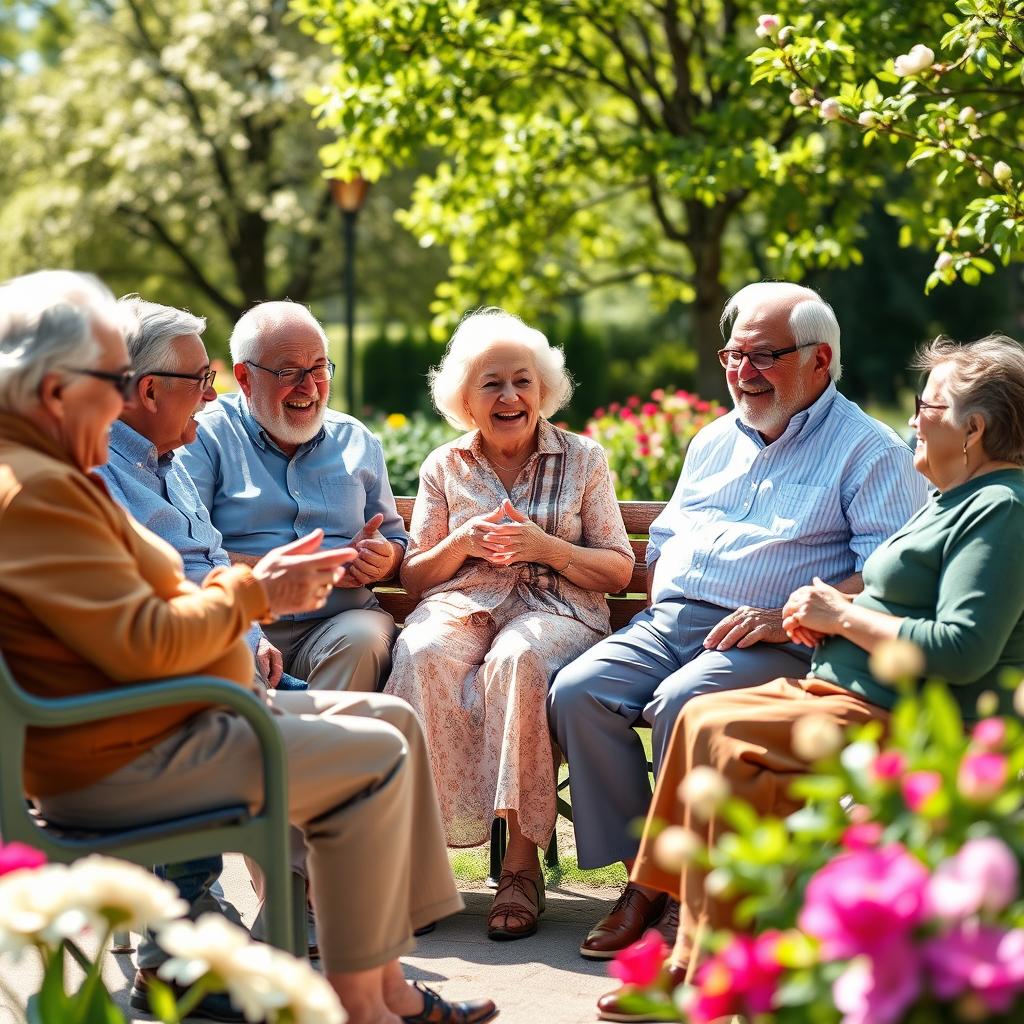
x,y
751,522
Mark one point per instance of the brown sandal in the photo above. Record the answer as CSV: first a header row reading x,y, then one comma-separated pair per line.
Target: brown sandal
x,y
526,884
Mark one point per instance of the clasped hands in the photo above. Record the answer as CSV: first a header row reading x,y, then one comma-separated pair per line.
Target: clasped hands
x,y
503,543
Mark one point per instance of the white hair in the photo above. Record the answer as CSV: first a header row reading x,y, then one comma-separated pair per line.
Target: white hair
x,y
245,343
150,344
811,319
479,332
47,321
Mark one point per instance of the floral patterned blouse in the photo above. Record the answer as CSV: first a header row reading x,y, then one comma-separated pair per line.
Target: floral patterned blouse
x,y
565,488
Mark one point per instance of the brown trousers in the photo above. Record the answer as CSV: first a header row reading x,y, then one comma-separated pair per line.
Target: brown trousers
x,y
360,790
747,736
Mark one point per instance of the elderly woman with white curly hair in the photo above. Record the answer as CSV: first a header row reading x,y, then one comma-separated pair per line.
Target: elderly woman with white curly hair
x,y
516,536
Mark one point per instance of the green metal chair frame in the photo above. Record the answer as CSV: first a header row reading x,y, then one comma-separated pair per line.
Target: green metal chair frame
x,y
263,836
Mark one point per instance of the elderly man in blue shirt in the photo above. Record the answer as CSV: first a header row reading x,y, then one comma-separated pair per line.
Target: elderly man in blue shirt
x,y
274,462
796,482
173,382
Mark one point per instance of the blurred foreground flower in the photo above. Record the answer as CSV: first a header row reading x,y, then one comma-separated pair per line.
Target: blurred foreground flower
x,y
703,791
895,661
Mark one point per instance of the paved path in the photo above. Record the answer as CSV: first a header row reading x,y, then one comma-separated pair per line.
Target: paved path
x,y
540,980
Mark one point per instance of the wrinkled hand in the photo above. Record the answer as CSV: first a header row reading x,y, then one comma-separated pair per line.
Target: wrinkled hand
x,y
375,556
471,534
746,627
269,662
814,611
521,540
298,577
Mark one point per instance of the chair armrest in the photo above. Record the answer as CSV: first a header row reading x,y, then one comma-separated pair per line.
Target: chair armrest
x,y
54,712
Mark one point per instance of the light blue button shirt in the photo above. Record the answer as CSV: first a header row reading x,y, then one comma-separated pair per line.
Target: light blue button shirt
x,y
260,498
160,494
751,522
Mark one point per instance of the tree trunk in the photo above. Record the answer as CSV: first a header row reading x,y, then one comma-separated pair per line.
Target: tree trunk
x,y
706,227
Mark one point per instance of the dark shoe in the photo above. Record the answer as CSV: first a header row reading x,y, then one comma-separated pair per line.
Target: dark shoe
x,y
425,930
528,885
615,1006
215,1006
626,922
437,1011
668,923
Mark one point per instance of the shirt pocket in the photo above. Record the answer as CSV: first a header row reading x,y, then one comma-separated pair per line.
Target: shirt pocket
x,y
797,509
346,496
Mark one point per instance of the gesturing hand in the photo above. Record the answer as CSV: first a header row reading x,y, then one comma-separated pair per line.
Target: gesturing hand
x,y
375,556
746,627
521,540
269,662
298,577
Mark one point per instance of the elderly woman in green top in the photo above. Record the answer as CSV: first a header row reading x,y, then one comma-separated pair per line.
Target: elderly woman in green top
x,y
951,581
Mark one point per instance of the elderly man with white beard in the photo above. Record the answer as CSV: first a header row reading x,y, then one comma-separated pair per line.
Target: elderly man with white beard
x,y
796,482
274,462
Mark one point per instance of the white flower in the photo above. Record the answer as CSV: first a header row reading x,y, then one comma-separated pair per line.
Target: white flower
x,y
675,847
37,907
913,63
704,790
785,32
767,24
1018,700
1002,172
259,979
867,118
942,262
892,661
830,109
967,115
799,98
858,757
110,891
816,737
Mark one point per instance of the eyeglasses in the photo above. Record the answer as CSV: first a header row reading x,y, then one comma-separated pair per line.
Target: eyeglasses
x,y
293,376
920,403
732,358
123,382
205,379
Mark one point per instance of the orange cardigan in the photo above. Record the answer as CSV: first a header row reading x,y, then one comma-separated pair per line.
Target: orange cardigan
x,y
90,599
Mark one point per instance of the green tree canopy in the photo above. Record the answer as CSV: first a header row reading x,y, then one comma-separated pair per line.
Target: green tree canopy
x,y
589,142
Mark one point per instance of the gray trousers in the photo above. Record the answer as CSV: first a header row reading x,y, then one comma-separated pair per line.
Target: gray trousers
x,y
647,670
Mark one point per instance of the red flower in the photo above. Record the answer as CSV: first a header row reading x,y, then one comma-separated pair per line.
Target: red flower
x,y
649,409
18,856
641,963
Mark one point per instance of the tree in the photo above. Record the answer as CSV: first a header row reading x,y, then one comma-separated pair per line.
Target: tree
x,y
952,106
586,142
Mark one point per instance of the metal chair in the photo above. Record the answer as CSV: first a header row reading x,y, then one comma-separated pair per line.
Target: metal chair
x,y
263,836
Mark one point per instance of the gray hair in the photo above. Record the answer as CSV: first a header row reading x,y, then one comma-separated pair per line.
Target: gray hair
x,y
245,338
46,324
987,379
811,319
477,333
150,344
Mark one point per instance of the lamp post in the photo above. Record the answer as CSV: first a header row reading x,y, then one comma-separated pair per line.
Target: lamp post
x,y
350,196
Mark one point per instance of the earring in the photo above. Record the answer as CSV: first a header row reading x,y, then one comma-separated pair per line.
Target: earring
x,y
965,452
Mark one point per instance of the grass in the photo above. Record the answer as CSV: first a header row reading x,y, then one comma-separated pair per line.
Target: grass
x,y
471,865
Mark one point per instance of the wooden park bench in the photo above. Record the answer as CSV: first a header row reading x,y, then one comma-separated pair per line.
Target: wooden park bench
x,y
637,517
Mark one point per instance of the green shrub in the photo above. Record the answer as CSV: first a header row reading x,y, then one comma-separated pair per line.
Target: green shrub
x,y
407,441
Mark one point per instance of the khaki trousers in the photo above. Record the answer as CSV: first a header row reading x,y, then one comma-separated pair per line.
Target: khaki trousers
x,y
360,790
747,736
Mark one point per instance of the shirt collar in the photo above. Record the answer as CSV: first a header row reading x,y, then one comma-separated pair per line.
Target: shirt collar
x,y
128,444
261,438
805,420
548,442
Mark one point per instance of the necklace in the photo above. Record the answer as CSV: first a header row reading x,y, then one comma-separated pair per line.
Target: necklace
x,y
508,469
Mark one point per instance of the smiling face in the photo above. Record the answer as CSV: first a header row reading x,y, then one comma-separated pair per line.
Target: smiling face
x,y
181,399
503,396
291,415
767,400
939,452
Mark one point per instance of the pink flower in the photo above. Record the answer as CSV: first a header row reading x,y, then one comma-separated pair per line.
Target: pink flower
x,y
876,990
888,766
862,836
981,775
989,733
641,963
658,394
702,406
633,401
919,787
864,899
741,979
642,438
599,413
982,959
614,407
981,876
19,857
626,414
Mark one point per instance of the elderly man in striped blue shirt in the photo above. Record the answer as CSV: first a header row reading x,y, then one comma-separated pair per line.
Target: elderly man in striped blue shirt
x,y
796,482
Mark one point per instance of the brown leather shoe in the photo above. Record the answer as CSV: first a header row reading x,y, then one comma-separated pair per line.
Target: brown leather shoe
x,y
615,1006
626,922
668,923
437,1011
